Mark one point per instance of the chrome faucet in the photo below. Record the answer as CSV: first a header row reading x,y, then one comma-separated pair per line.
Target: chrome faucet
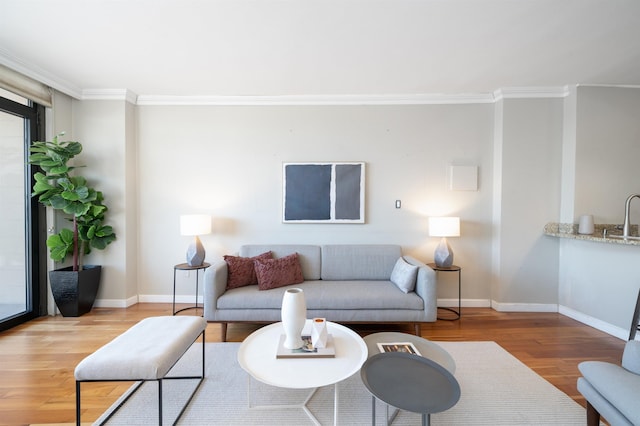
x,y
627,226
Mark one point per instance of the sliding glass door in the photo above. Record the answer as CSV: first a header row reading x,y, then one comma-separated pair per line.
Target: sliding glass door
x,y
20,241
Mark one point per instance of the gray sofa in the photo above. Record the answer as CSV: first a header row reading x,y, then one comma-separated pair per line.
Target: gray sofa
x,y
342,283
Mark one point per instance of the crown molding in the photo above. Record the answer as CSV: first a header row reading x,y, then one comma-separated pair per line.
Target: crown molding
x,y
418,99
615,86
39,74
109,95
531,92
335,100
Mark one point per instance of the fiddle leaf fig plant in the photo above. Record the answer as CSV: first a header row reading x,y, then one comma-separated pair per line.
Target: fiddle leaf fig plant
x,y
61,190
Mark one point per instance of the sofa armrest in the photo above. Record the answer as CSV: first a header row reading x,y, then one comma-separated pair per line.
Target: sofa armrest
x,y
215,284
426,287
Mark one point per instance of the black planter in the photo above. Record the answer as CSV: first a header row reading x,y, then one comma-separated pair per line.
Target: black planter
x,y
75,292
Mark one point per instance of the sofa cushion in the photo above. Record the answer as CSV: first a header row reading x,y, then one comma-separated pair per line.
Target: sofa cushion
x,y
273,273
359,261
241,270
404,275
309,255
327,295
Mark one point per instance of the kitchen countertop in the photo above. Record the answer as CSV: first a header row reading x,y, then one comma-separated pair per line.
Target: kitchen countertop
x,y
570,230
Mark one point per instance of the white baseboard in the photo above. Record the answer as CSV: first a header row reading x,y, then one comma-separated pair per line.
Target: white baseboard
x,y
524,307
116,303
466,303
605,327
168,298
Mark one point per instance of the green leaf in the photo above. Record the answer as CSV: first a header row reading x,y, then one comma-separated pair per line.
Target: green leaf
x,y
59,169
104,231
66,235
91,232
70,195
77,208
41,185
58,202
60,244
101,243
83,192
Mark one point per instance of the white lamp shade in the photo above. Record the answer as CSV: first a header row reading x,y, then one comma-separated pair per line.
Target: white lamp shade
x,y
444,226
195,224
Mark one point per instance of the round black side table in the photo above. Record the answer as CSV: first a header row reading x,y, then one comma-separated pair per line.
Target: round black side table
x,y
187,267
452,268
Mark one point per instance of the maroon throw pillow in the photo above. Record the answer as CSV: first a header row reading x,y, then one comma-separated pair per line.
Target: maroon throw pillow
x,y
240,270
274,273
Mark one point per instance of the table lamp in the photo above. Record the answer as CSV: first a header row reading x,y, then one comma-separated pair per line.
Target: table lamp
x,y
194,225
444,227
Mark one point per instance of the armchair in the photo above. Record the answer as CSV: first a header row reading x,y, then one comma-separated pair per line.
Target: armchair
x,y
611,390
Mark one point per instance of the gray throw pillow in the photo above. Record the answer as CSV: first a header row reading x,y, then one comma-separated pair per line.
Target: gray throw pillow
x,y
404,275
631,356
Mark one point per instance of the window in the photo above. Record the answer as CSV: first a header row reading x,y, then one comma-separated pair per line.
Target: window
x,y
23,282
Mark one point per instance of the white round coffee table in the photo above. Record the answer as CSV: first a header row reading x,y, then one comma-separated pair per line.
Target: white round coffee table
x,y
257,356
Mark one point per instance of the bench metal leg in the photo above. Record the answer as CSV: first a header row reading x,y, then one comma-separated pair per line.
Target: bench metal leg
x,y
160,402
77,403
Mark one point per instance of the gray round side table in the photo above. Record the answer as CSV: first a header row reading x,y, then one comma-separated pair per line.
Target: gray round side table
x,y
409,382
427,349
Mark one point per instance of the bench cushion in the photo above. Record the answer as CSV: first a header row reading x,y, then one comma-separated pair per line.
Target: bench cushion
x,y
146,351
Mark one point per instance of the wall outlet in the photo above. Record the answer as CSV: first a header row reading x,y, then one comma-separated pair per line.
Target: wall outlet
x,y
398,204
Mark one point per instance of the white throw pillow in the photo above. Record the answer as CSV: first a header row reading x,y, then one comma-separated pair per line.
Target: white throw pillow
x,y
404,275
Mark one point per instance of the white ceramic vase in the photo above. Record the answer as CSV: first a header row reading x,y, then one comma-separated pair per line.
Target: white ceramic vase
x,y
294,315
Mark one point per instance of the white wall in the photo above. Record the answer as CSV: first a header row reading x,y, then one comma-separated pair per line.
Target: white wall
x,y
599,282
607,153
106,130
227,161
527,197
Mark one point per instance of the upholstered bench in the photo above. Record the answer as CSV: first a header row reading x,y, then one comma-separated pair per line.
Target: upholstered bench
x,y
145,352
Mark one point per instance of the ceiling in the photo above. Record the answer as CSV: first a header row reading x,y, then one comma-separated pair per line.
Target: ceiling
x,y
320,47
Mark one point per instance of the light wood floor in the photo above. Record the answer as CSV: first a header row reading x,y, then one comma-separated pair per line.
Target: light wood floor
x,y
37,359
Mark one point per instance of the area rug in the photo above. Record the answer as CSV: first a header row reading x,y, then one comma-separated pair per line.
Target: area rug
x,y
496,389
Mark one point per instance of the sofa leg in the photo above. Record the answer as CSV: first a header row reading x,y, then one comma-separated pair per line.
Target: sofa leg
x,y
593,417
223,331
418,329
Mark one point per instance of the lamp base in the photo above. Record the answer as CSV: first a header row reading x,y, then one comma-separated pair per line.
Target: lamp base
x,y
443,256
195,253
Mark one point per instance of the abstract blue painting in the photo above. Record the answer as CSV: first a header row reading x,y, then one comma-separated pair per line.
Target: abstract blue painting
x,y
323,192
